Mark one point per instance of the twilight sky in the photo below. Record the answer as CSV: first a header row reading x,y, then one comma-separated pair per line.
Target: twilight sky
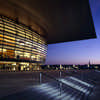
x,y
78,52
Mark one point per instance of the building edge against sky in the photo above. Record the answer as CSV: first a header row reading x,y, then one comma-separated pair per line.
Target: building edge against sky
x,y
24,33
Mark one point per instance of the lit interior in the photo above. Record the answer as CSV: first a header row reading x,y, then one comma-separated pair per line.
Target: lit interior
x,y
19,42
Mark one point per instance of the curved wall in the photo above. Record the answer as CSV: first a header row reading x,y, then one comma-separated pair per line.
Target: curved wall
x,y
18,11
18,41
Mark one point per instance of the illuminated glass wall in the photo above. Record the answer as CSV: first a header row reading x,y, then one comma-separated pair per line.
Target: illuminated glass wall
x,y
19,42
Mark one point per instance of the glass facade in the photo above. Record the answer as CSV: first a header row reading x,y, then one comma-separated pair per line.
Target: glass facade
x,y
17,41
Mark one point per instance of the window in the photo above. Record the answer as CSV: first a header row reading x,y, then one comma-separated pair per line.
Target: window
x,y
17,41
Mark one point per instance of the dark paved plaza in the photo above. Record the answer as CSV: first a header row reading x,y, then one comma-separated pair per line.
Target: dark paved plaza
x,y
70,85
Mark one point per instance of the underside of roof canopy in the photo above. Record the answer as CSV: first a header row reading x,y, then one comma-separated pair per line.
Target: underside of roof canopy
x,y
56,20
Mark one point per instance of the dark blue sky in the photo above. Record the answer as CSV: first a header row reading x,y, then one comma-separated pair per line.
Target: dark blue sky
x,y
78,52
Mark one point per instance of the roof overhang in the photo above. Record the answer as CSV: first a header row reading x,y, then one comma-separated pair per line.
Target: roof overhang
x,y
73,21
61,20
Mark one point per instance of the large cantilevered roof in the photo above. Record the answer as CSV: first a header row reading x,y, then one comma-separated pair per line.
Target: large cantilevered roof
x,y
72,21
62,20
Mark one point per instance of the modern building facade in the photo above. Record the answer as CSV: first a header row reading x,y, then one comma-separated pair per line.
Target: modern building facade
x,y
20,46
27,26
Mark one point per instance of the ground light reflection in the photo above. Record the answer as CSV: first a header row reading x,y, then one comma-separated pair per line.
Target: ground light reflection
x,y
76,79
77,84
53,92
74,88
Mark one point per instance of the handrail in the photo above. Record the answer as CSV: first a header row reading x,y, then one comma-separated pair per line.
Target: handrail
x,y
60,84
70,74
86,98
42,73
50,76
53,77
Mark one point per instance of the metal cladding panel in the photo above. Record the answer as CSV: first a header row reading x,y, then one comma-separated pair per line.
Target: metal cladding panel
x,y
73,22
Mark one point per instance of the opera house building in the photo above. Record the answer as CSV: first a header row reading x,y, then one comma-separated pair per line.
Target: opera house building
x,y
28,26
